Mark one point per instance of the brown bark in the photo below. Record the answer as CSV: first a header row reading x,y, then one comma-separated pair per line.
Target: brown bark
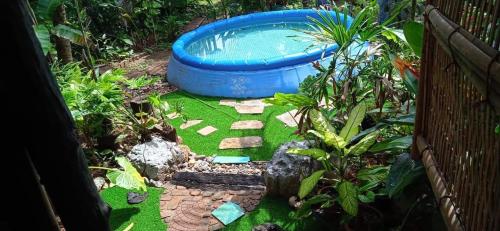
x,y
63,46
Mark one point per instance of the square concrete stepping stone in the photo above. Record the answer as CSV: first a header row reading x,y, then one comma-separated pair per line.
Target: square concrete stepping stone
x,y
173,115
288,118
241,142
228,102
247,124
228,212
247,109
231,159
190,123
206,130
254,102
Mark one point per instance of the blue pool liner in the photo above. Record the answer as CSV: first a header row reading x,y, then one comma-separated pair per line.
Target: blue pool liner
x,y
255,78
181,55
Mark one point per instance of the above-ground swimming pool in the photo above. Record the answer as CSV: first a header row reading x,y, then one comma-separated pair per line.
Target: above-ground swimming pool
x,y
248,56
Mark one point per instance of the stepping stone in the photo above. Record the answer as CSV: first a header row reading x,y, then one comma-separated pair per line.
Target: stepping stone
x,y
173,115
241,142
231,159
254,102
190,123
289,119
247,124
246,109
228,102
228,212
206,130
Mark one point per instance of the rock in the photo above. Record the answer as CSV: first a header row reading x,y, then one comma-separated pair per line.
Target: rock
x,y
201,166
292,201
155,183
99,182
186,151
136,198
267,227
285,171
156,156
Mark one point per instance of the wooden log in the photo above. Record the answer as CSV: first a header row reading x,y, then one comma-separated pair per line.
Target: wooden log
x,y
218,178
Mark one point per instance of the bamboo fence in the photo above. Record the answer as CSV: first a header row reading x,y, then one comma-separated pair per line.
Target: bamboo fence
x,y
458,108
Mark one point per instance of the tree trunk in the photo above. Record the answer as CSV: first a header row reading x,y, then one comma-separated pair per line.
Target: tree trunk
x,y
63,46
306,3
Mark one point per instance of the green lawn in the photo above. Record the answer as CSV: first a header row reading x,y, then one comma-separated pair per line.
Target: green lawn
x,y
208,109
145,216
274,210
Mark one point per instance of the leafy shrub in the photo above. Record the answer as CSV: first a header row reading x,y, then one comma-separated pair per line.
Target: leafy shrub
x,y
93,101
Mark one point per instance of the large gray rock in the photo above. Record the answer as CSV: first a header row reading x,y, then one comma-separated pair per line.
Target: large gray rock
x,y
285,171
157,157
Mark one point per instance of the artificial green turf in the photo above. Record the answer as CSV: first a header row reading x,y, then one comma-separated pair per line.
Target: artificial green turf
x,y
145,216
276,211
221,117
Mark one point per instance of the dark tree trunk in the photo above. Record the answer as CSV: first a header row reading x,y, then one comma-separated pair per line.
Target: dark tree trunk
x,y
39,126
63,46
306,3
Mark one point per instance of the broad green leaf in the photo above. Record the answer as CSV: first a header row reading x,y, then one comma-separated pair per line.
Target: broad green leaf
x,y
402,173
317,134
396,143
394,34
369,197
320,123
359,136
335,141
315,153
373,174
410,81
128,41
402,120
46,8
308,184
323,127
112,175
305,209
371,177
414,34
297,100
497,129
43,35
127,178
73,35
363,145
348,197
351,127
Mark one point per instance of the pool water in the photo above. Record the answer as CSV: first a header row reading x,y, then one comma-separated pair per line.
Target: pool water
x,y
256,42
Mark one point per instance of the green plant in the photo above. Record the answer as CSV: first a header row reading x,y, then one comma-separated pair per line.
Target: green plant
x,y
344,82
301,101
126,176
160,107
141,123
403,172
93,102
44,28
340,159
140,82
179,110
414,34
